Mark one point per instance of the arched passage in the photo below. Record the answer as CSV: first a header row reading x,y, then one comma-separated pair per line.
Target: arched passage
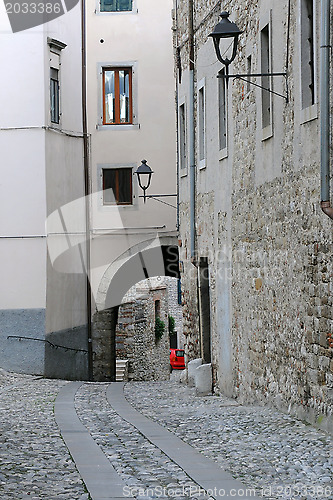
x,y
158,257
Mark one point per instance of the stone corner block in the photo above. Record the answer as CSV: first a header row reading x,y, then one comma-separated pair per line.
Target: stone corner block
x,y
191,367
183,377
203,380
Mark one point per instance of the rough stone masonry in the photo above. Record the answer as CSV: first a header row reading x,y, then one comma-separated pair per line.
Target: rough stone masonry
x,y
257,211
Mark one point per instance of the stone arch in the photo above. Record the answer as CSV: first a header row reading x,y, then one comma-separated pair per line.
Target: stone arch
x,y
155,257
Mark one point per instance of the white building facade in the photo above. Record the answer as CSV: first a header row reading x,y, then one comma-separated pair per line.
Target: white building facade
x,y
77,235
42,170
131,117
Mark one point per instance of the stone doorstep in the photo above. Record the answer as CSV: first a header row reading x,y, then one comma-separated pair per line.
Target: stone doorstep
x,y
121,370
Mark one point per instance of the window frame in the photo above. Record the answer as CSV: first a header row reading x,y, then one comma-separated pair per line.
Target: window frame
x,y
222,89
182,137
201,111
310,112
267,82
116,70
117,169
55,97
55,48
115,11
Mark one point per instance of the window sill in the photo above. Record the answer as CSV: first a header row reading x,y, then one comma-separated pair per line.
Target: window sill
x,y
202,164
118,127
183,172
223,153
118,205
309,114
267,132
116,12
108,207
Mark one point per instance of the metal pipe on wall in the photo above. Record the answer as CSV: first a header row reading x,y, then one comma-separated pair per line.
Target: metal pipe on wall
x,y
325,49
191,132
87,190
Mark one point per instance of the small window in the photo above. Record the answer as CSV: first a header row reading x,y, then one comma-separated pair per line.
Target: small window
x,y
202,125
115,5
54,95
182,136
117,96
117,186
249,71
157,309
265,80
222,110
307,53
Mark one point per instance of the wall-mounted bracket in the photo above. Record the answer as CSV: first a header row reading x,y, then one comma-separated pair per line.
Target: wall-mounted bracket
x,y
254,75
156,196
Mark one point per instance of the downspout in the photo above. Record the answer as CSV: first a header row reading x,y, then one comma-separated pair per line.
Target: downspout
x,y
191,132
325,49
86,187
178,81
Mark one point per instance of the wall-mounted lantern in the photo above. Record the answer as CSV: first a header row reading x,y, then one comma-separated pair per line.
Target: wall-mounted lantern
x,y
227,29
144,173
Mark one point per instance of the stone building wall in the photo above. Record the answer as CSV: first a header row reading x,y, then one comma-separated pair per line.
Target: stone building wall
x,y
175,309
258,222
135,335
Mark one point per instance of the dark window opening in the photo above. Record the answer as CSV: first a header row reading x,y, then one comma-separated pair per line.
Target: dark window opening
x,y
307,53
204,310
202,139
117,186
222,111
54,95
182,136
115,5
249,71
157,309
265,80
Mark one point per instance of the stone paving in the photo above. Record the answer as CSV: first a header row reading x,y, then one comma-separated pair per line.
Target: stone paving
x,y
279,456
34,461
141,465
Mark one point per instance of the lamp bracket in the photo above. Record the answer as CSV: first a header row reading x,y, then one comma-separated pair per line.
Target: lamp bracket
x,y
249,75
156,196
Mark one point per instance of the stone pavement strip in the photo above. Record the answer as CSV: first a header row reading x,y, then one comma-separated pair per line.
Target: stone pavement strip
x,y
203,471
101,479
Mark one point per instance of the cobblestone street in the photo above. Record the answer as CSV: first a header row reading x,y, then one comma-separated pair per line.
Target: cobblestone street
x,y
262,448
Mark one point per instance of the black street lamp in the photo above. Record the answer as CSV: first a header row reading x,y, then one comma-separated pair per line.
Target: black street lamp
x,y
144,173
228,29
225,29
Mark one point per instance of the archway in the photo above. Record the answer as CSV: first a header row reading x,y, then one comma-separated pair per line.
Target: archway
x,y
158,257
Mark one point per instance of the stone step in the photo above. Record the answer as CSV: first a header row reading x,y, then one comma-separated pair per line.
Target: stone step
x,y
121,370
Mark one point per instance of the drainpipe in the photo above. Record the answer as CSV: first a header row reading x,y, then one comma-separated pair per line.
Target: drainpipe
x,y
86,187
325,49
191,132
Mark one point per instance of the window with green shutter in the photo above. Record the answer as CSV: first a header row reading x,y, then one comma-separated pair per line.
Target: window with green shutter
x,y
116,5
